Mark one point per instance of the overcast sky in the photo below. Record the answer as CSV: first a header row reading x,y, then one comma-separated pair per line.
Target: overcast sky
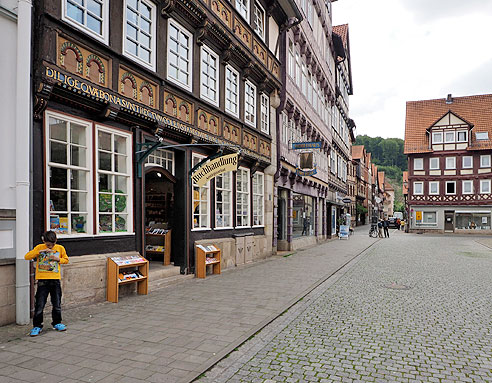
x,y
407,50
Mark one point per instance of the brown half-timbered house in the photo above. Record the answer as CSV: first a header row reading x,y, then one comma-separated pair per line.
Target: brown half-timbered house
x,y
449,147
128,97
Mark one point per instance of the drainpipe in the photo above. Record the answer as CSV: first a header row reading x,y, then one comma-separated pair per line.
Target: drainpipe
x,y
23,115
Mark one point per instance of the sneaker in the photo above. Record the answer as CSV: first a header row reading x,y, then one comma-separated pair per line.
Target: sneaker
x,y
59,327
35,331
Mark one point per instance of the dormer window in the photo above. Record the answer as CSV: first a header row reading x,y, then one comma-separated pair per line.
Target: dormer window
x,y
449,136
462,136
437,137
481,136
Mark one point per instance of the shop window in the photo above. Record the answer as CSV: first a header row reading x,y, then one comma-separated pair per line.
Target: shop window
x,y
242,6
467,187
450,162
484,186
250,104
71,150
265,113
223,200
468,220
242,198
434,187
418,164
201,200
89,16
450,187
258,199
114,168
429,217
434,163
161,157
467,162
232,91
209,72
259,21
140,31
485,161
179,55
302,215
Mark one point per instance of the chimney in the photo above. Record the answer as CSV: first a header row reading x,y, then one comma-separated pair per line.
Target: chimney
x,y
449,100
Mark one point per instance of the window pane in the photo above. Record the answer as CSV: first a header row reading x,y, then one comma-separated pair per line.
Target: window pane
x,y
105,182
58,129
94,24
121,222
58,178
131,31
105,223
78,201
79,223
104,161
104,141
121,183
78,156
75,13
78,180
105,202
94,7
58,153
59,199
120,164
120,144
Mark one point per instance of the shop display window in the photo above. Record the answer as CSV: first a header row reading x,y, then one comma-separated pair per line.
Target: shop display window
x,y
303,215
201,200
223,200
258,199
242,197
473,221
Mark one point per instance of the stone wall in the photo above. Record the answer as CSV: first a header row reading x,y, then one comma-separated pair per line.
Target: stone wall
x,y
7,291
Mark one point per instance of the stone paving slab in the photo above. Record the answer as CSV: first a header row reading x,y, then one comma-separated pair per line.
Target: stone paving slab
x,y
176,333
412,309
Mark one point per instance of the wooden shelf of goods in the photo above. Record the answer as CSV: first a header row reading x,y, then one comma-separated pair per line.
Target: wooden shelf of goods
x,y
167,246
116,266
205,258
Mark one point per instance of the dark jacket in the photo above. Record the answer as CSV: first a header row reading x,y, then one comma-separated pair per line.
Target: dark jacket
x,y
386,223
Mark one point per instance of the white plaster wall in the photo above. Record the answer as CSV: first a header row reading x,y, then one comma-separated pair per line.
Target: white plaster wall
x,y
8,41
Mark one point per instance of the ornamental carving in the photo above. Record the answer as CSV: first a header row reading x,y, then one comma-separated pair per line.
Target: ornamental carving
x,y
223,12
208,122
260,52
242,32
231,133
250,141
179,108
265,148
82,62
273,67
136,87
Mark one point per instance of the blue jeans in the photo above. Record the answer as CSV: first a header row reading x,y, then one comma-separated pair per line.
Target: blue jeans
x,y
47,287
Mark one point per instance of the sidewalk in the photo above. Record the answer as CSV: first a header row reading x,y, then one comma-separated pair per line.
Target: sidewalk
x,y
176,333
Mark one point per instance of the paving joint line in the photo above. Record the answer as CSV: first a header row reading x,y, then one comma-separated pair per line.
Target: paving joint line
x,y
244,338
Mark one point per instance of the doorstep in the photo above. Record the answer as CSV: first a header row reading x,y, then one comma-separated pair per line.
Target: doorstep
x,y
161,276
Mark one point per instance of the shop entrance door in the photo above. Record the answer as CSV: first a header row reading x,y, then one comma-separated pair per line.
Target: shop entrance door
x,y
449,221
158,214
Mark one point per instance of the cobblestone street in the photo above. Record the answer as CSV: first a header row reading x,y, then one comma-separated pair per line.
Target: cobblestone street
x,y
414,308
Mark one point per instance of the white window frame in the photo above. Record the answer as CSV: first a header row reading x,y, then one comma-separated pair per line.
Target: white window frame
x,y
421,184
88,169
431,183
482,183
446,135
242,7
426,213
259,29
466,182
199,157
230,74
458,134
258,198
264,113
207,59
485,157
480,136
449,166
128,174
298,72
446,190
250,104
463,165
188,86
152,48
242,192
163,158
431,159
105,21
291,62
230,202
437,134
418,164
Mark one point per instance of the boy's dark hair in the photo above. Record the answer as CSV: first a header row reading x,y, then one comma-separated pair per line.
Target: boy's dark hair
x,y
49,236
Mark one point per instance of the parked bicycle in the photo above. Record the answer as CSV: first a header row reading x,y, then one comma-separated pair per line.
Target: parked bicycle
x,y
373,231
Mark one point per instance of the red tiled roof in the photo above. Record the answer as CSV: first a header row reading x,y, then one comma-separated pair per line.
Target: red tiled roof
x,y
342,31
387,186
405,180
421,115
381,180
357,152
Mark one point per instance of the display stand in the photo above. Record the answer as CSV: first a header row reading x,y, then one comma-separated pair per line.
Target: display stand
x,y
121,267
207,255
157,243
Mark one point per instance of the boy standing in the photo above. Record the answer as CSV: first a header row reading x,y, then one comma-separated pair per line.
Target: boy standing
x,y
49,256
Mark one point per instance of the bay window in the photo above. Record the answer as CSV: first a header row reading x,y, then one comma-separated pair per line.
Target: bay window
x,y
462,136
258,199
242,197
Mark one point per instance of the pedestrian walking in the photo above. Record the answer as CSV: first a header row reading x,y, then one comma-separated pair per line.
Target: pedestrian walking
x,y
385,228
49,256
305,226
398,223
380,228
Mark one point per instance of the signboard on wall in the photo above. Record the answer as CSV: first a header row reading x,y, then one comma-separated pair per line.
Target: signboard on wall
x,y
214,167
306,145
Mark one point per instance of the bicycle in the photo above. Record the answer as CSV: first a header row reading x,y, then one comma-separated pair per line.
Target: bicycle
x,y
373,232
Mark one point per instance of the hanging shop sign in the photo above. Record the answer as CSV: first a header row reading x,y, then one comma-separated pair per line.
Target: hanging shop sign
x,y
306,145
214,167
304,173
